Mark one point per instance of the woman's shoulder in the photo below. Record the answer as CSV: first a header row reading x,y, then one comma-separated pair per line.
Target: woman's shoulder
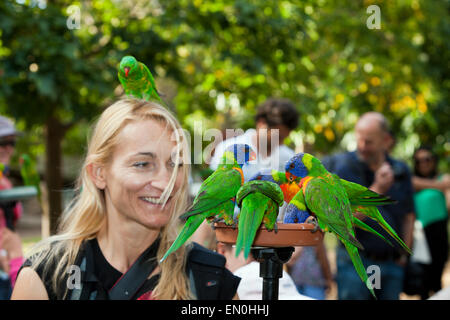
x,y
29,286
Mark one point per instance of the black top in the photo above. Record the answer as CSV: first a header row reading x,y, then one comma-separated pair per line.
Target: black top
x,y
209,279
108,275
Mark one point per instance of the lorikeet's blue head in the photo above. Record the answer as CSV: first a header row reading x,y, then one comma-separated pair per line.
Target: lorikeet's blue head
x,y
128,65
243,153
297,167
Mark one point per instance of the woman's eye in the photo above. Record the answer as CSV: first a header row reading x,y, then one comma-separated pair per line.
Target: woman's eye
x,y
143,164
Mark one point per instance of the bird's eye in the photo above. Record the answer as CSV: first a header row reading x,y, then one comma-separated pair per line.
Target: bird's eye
x,y
292,165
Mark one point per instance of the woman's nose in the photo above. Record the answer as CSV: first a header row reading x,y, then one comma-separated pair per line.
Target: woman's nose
x,y
161,180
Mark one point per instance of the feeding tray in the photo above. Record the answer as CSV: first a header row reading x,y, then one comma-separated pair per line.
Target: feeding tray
x,y
289,234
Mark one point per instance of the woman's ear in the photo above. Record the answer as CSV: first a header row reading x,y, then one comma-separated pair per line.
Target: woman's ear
x,y
97,174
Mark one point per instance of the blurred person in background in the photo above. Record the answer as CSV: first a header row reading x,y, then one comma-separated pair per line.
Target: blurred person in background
x,y
310,269
431,201
10,243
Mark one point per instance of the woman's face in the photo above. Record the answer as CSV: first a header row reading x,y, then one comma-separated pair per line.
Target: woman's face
x,y
425,162
140,171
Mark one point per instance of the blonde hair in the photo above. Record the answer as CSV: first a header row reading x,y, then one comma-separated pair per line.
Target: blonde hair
x,y
85,215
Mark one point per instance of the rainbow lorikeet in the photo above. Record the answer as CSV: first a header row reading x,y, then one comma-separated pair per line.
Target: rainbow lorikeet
x,y
137,80
327,197
297,212
29,174
216,198
259,202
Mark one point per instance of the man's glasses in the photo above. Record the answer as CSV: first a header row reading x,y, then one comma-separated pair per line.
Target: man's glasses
x,y
424,159
11,143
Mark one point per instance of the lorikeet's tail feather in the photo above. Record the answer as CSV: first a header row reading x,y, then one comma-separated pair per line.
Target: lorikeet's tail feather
x,y
345,236
373,213
188,229
372,202
371,198
250,218
358,223
357,263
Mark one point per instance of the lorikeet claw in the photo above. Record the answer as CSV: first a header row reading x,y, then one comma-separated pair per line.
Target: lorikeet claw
x,y
313,220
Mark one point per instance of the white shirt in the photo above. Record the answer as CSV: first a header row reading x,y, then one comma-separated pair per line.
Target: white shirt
x,y
251,285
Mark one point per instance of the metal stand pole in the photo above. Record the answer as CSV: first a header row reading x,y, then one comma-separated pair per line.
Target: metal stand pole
x,y
271,268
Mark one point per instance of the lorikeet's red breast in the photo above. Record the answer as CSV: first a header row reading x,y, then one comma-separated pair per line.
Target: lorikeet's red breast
x,y
289,190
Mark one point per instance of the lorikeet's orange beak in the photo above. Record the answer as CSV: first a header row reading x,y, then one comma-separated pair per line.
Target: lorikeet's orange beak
x,y
252,155
290,176
127,70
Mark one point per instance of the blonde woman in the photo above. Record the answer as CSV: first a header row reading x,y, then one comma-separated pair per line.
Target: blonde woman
x,y
132,189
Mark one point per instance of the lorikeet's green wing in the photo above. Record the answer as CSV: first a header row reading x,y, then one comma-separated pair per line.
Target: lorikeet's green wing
x,y
360,195
259,202
332,208
192,223
267,188
250,219
373,213
150,92
218,188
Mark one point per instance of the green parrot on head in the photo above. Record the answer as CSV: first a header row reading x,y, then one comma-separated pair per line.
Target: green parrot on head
x,y
259,202
217,195
29,174
137,80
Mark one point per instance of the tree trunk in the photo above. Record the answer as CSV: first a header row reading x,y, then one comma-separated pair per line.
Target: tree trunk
x,y
53,171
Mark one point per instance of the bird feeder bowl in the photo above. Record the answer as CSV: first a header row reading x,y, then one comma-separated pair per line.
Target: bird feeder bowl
x,y
272,249
289,234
